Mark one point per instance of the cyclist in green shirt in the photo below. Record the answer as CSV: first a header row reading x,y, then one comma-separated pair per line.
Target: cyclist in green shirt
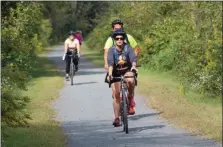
x,y
117,24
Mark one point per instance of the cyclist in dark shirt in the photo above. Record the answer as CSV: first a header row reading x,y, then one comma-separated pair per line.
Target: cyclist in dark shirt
x,y
121,61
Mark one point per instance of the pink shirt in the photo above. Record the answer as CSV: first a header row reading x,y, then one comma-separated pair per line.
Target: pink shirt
x,y
79,37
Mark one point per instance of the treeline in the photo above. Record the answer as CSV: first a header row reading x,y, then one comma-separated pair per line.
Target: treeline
x,y
27,28
184,38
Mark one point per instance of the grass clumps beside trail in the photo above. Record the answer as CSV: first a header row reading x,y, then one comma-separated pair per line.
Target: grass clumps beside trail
x,y
42,130
190,110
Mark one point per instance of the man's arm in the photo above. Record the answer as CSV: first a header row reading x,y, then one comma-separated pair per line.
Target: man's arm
x,y
132,57
110,61
136,50
108,45
105,58
133,44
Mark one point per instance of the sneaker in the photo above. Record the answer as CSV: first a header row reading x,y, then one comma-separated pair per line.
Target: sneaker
x,y
132,101
131,110
67,77
116,122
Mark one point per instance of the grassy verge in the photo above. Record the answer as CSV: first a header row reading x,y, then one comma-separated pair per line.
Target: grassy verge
x,y
193,112
197,114
43,131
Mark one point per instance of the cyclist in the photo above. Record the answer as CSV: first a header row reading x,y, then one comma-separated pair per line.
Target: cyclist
x,y
71,43
121,61
117,24
78,35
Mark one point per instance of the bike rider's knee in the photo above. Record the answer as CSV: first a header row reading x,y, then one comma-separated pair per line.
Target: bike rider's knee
x,y
117,99
130,81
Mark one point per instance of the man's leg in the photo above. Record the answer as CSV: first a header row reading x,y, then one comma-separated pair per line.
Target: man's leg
x,y
131,86
116,102
67,66
76,60
116,99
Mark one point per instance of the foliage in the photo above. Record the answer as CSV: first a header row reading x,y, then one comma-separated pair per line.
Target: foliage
x,y
184,38
20,40
66,16
28,27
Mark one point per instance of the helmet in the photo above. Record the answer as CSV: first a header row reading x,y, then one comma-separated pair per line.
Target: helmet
x,y
78,31
70,33
119,32
117,21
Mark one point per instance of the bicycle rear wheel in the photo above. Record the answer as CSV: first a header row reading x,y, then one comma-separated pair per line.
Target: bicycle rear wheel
x,y
125,112
71,72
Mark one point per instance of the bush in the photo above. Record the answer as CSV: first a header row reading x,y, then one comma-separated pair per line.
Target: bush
x,y
23,34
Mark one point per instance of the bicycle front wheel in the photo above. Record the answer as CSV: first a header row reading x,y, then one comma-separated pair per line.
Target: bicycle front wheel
x,y
125,112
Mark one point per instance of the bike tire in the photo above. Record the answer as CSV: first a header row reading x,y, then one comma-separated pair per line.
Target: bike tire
x,y
121,114
71,73
125,112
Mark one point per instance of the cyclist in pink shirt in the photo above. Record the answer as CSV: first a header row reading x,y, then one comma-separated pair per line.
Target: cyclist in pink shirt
x,y
79,36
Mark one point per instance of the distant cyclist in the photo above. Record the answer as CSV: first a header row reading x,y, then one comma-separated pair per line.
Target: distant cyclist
x,y
121,61
71,44
117,24
78,35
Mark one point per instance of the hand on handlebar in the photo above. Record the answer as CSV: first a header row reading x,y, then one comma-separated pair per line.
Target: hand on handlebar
x,y
110,77
134,69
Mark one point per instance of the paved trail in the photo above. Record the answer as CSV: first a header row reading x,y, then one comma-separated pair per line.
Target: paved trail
x,y
85,113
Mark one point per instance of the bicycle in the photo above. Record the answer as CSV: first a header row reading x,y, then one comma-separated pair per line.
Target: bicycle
x,y
124,104
72,71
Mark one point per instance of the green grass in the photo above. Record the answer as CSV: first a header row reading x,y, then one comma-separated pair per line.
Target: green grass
x,y
196,113
42,130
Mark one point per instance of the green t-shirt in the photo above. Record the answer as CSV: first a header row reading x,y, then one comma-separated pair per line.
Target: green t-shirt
x,y
132,42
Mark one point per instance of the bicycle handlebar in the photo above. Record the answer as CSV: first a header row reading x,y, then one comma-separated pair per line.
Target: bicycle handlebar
x,y
122,77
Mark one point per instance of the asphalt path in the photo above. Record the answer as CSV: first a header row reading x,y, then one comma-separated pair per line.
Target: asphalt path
x,y
86,115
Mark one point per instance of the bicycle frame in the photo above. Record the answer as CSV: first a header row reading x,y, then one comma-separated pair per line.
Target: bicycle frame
x,y
72,72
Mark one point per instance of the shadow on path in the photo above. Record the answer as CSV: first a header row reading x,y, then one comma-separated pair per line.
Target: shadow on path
x,y
102,134
137,117
85,83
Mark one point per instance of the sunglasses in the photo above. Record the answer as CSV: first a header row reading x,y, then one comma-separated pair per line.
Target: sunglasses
x,y
119,38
